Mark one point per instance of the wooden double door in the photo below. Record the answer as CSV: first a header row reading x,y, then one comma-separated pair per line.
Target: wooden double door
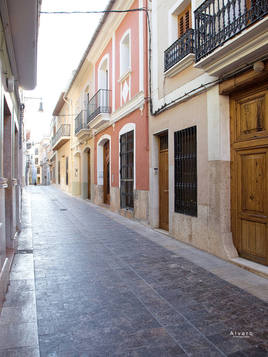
x,y
106,172
249,173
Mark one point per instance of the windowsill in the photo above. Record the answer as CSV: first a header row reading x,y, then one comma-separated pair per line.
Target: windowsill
x,y
127,209
125,75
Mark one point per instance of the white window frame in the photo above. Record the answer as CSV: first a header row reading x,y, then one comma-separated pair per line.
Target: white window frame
x,y
125,129
104,58
173,12
126,34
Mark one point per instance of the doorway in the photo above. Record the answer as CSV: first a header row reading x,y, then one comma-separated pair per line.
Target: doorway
x,y
163,183
88,176
249,173
106,172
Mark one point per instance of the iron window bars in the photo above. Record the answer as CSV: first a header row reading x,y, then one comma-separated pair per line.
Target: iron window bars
x,y
185,151
99,103
127,170
179,49
217,21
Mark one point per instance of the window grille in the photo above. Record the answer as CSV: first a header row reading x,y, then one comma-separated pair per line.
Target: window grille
x,y
163,142
127,170
185,151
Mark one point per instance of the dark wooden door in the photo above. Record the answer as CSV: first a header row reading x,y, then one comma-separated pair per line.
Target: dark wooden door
x,y
106,173
249,137
163,183
88,177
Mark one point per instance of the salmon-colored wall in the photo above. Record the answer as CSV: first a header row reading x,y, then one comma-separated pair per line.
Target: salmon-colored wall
x,y
131,21
142,153
140,118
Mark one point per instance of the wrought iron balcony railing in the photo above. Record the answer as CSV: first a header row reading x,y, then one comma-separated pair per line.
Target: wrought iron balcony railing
x,y
99,103
217,21
64,130
80,121
179,49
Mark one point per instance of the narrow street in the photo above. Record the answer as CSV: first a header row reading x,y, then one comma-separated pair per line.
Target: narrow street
x,y
103,289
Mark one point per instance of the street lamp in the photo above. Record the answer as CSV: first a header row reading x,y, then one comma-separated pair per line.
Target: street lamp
x,y
40,104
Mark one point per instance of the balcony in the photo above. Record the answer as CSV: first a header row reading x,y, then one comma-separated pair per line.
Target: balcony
x,y
99,109
180,54
230,34
61,137
81,129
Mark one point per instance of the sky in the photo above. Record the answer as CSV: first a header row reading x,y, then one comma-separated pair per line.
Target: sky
x,y
62,42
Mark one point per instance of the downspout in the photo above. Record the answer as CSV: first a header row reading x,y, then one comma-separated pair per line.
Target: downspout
x,y
146,77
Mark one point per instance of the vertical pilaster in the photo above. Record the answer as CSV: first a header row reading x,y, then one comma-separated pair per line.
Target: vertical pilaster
x,y
219,215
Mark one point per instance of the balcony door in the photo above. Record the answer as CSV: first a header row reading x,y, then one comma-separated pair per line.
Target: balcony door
x,y
106,172
249,137
103,85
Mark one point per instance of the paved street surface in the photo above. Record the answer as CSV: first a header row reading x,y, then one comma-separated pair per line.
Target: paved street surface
x,y
104,289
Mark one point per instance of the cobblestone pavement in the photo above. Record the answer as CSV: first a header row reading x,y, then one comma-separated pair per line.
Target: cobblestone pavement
x,y
102,289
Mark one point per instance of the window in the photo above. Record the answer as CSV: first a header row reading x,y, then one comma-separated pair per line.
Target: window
x,y
127,170
103,73
38,171
185,151
36,161
125,54
67,171
184,21
36,151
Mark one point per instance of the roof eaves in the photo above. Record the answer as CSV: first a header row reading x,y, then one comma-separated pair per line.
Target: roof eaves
x,y
102,21
59,105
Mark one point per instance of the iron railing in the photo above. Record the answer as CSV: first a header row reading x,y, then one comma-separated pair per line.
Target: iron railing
x,y
80,121
217,21
179,49
99,103
64,130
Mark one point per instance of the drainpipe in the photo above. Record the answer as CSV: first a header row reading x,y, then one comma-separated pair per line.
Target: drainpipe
x,y
146,81
67,102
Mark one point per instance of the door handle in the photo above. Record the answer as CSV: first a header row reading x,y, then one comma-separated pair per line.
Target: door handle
x,y
166,190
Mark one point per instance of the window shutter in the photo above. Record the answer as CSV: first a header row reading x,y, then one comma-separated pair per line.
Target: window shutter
x,y
184,21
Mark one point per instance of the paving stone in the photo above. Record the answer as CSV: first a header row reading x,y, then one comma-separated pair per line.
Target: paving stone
x,y
20,352
102,289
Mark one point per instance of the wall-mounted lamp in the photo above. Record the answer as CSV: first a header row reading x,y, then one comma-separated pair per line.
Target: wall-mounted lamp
x,y
40,109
